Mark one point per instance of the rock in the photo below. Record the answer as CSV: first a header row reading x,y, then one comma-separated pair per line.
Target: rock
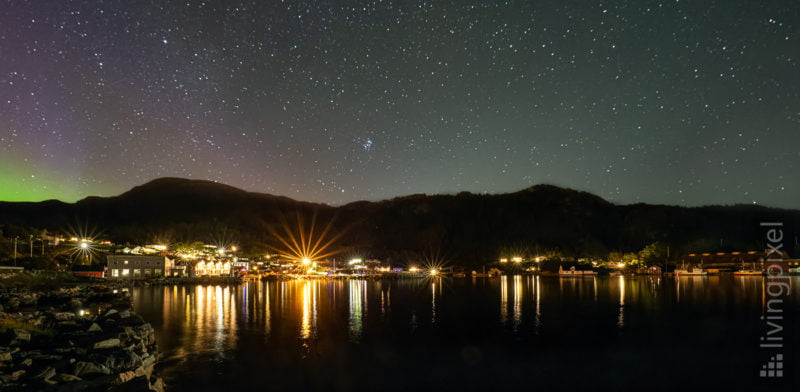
x,y
137,384
48,357
21,335
28,299
18,373
13,303
110,313
82,368
63,316
68,377
75,304
95,328
157,385
108,343
27,362
124,314
5,356
46,374
126,376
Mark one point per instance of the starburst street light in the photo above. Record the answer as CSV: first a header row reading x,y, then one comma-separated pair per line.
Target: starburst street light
x,y
304,244
84,250
84,247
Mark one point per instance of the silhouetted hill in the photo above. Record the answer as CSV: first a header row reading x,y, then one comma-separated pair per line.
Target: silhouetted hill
x,y
466,227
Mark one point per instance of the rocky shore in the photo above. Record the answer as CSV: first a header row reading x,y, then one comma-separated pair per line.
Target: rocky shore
x,y
83,338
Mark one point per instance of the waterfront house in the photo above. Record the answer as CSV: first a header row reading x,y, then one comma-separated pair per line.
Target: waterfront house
x,y
141,266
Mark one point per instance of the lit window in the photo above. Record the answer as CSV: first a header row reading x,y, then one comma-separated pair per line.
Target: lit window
x,y
126,261
115,273
126,272
137,273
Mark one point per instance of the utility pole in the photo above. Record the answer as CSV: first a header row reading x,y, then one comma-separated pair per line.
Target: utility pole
x,y
31,241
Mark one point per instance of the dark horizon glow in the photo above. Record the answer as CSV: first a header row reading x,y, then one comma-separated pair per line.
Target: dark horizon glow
x,y
670,102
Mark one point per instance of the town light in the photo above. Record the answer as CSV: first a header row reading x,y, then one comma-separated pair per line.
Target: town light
x,y
517,259
354,261
305,261
85,245
504,260
434,272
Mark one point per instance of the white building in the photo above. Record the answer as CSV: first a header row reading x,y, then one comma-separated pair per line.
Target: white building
x,y
140,267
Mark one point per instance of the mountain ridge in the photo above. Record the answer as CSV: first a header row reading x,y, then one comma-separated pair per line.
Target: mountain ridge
x,y
470,226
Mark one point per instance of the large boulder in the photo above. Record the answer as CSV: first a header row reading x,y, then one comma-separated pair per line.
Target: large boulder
x,y
86,368
108,343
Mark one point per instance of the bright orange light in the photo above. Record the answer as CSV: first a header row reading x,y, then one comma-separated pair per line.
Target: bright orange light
x,y
306,261
300,243
516,259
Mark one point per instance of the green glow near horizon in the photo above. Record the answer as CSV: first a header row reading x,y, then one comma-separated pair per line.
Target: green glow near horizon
x,y
17,184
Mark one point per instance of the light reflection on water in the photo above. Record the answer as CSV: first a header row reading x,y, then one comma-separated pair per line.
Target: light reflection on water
x,y
358,305
272,325
621,318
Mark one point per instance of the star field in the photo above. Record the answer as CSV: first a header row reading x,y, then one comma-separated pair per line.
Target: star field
x,y
673,102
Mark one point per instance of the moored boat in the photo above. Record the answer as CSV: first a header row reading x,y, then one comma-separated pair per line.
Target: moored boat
x,y
690,272
748,272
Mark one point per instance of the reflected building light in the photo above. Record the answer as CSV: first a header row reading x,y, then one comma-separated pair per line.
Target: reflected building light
x,y
504,299
219,331
433,303
305,325
517,301
267,310
621,318
314,300
538,323
230,320
358,304
386,300
246,301
200,315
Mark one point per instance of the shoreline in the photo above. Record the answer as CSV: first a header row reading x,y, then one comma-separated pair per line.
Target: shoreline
x,y
80,336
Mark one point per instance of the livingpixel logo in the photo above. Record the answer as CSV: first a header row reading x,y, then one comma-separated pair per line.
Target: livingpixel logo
x,y
773,368
777,286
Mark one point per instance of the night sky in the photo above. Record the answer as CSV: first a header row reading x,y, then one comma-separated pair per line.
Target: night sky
x,y
677,102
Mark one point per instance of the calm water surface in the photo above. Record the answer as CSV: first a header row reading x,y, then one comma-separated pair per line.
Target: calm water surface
x,y
510,332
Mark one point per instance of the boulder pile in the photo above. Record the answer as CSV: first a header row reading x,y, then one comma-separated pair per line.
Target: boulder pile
x,y
77,339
